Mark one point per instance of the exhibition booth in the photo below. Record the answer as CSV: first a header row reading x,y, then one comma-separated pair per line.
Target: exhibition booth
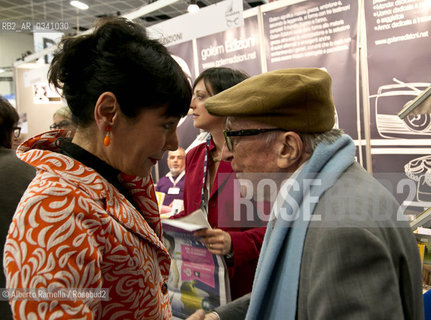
x,y
375,51
362,44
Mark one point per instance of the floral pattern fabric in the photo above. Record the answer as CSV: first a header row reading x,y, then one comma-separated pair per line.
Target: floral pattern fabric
x,y
73,230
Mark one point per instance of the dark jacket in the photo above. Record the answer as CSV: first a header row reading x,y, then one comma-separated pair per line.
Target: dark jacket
x,y
15,176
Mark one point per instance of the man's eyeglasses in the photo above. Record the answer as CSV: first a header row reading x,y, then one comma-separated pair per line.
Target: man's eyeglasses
x,y
62,124
247,132
16,132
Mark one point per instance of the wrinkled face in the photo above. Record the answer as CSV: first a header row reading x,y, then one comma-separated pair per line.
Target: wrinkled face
x,y
61,122
201,118
254,160
176,161
137,144
250,153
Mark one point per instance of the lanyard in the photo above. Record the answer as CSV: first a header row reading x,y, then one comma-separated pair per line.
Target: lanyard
x,y
205,171
177,179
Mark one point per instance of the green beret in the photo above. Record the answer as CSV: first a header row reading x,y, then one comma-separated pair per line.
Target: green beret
x,y
294,99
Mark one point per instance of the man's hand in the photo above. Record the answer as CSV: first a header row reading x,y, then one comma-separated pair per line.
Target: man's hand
x,y
216,240
200,315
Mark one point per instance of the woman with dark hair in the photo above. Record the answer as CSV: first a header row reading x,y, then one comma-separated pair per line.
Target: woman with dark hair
x,y
89,220
15,176
210,184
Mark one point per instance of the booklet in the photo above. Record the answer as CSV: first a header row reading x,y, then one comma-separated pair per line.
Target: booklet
x,y
197,278
160,198
195,221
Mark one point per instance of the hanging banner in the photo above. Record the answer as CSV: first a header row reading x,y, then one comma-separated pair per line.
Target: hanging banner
x,y
183,54
323,35
43,40
405,175
237,48
398,45
218,17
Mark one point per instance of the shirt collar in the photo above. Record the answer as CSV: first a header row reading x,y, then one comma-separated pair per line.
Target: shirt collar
x,y
67,147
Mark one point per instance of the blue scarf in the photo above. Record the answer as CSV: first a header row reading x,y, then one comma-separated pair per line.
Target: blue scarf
x,y
275,287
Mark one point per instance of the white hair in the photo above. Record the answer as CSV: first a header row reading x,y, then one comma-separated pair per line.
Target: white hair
x,y
64,112
311,140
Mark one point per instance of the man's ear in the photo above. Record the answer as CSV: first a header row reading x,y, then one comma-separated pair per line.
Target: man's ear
x,y
106,110
290,149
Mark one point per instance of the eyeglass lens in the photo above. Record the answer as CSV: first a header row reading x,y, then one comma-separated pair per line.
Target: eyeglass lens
x,y
228,141
16,132
60,125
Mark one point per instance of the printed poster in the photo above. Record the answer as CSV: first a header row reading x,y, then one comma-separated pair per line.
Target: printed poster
x,y
197,278
398,45
237,48
320,34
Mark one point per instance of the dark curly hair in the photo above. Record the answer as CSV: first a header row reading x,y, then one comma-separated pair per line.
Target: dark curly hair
x,y
219,79
118,57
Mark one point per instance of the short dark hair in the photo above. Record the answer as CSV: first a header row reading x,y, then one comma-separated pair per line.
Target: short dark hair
x,y
118,57
220,79
8,119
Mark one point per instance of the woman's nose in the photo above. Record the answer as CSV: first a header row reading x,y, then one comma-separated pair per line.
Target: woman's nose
x,y
192,103
172,142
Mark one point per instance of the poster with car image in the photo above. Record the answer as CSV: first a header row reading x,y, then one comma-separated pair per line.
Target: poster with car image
x,y
399,46
321,34
406,174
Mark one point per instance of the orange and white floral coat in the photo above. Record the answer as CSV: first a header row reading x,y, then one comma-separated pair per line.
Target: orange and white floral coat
x,y
74,230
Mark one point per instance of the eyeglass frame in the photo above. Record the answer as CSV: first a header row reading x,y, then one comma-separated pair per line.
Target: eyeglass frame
x,y
15,129
245,133
62,123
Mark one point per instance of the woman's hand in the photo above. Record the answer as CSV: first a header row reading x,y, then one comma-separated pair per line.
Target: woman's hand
x,y
216,240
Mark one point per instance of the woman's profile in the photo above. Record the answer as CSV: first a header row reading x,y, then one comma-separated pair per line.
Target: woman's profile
x,y
88,224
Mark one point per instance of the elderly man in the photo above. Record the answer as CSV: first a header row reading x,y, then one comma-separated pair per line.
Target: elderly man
x,y
173,183
336,246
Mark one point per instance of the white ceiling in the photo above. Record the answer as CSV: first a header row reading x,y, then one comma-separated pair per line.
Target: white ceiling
x,y
62,11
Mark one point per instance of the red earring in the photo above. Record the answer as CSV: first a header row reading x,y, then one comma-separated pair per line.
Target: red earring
x,y
107,139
